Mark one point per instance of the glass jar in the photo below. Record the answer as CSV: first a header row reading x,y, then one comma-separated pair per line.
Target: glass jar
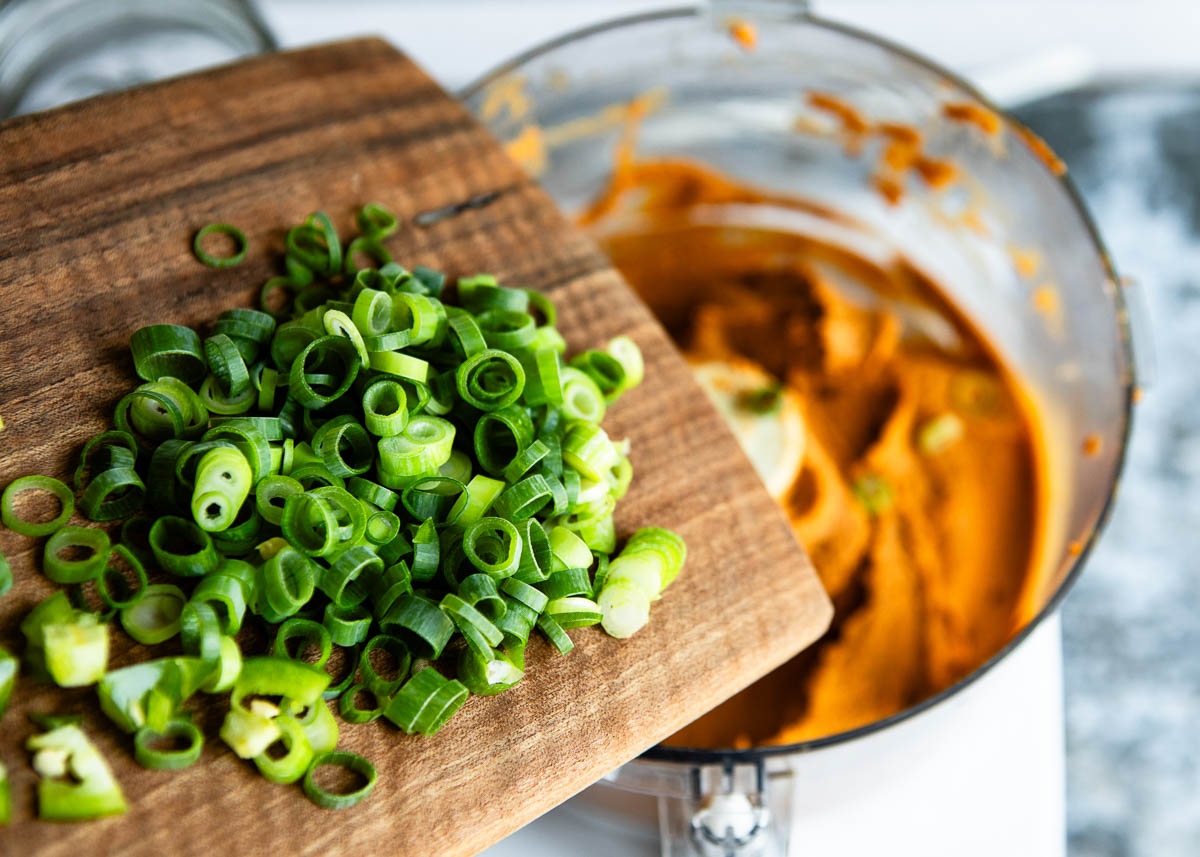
x,y
741,109
55,51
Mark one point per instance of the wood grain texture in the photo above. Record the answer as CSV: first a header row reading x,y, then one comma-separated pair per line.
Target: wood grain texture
x,y
98,203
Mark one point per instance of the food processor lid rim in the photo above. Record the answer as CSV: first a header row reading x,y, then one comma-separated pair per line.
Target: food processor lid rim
x,y
705,756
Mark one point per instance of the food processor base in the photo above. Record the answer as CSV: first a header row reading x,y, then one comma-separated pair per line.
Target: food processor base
x,y
988,782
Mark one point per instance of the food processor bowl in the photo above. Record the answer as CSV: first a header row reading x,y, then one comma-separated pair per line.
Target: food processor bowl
x,y
732,85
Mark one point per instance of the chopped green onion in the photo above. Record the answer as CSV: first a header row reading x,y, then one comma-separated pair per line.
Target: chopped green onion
x,y
493,546
239,241
874,492
92,542
555,634
8,677
606,372
76,652
106,446
765,400
223,482
627,353
226,594
586,447
309,633
524,499
481,492
582,400
537,557
566,583
385,407
298,754
200,631
327,357
624,609
351,762
182,548
487,676
228,667
228,366
5,797
570,551
490,379
532,598
320,726
500,436
168,350
939,433
12,520
419,622
249,733
426,702
347,626
401,365
155,617
172,759
90,792
480,591
270,495
349,708
350,495
288,580
6,575
113,494
375,221
480,633
574,612
338,581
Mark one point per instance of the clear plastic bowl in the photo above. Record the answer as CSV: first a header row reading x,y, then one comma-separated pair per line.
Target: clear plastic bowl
x,y
737,110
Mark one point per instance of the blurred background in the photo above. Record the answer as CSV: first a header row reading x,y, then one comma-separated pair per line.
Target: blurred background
x,y
1113,86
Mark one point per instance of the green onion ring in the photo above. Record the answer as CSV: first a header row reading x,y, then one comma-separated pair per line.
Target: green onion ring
x,y
351,762
348,706
75,571
239,240
139,572
200,631
8,512
555,633
155,617
167,350
493,546
170,530
105,443
384,687
425,702
6,578
420,623
490,379
168,760
295,762
347,626
226,594
288,581
113,494
375,221
338,581
309,633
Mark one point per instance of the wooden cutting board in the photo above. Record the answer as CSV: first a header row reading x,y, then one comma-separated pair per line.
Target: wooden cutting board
x,y
98,203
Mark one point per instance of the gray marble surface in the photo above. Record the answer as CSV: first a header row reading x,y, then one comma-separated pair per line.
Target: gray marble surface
x,y
1132,625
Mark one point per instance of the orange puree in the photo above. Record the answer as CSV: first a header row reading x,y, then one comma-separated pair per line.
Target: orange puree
x,y
918,494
